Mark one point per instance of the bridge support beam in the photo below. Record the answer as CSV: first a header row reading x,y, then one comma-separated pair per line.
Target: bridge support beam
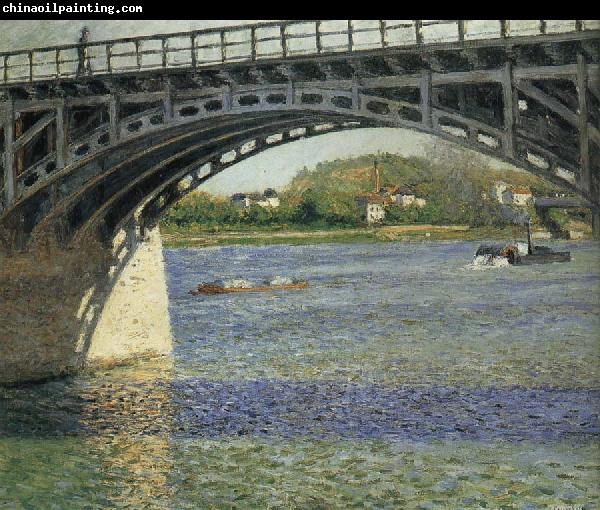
x,y
425,88
19,150
355,96
596,223
290,93
584,149
509,110
62,135
64,310
168,101
113,115
227,97
10,176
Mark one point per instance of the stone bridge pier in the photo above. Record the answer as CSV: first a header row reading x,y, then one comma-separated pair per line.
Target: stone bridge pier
x,y
90,306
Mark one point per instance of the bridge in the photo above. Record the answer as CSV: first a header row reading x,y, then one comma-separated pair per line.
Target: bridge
x,y
561,202
99,139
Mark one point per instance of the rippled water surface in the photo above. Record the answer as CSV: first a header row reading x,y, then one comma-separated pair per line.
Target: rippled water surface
x,y
401,378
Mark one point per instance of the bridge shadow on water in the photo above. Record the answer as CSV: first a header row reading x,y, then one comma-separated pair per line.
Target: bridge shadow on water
x,y
266,408
140,436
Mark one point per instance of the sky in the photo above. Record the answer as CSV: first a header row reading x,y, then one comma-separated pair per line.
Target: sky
x,y
276,167
272,168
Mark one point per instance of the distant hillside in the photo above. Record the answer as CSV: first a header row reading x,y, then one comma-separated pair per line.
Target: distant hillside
x,y
354,176
457,190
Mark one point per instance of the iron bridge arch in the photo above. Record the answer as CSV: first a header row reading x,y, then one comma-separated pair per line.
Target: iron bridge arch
x,y
97,151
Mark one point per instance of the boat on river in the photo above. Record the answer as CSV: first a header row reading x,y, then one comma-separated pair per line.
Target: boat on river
x,y
237,286
522,254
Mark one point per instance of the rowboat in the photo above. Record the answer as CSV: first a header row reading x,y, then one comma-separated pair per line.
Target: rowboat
x,y
213,288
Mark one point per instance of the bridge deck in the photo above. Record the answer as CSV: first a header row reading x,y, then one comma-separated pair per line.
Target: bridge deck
x,y
562,202
267,42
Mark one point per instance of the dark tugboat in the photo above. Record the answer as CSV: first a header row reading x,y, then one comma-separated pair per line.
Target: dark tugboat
x,y
519,254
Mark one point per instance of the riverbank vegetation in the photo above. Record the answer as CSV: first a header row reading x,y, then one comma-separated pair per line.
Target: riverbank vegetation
x,y
174,238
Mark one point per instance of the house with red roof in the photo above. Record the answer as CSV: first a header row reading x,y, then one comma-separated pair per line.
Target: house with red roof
x,y
519,196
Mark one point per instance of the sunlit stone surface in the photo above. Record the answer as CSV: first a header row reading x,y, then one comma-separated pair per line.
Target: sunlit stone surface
x,y
61,310
135,317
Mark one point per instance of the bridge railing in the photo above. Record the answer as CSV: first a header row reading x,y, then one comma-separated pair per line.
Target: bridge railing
x,y
262,41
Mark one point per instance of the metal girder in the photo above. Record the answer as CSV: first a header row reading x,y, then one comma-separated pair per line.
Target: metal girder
x,y
10,176
584,149
62,135
557,107
113,116
562,202
33,130
425,90
561,72
508,109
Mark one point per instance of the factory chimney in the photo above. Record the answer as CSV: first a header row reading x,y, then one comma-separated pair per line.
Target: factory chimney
x,y
376,176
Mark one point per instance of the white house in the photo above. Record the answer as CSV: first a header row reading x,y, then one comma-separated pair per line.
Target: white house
x,y
272,202
408,200
374,207
401,195
268,199
405,200
521,197
244,200
498,189
405,197
375,213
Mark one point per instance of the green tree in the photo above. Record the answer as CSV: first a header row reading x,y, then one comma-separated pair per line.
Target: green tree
x,y
308,210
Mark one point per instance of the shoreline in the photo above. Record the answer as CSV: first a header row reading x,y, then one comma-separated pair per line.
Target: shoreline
x,y
391,233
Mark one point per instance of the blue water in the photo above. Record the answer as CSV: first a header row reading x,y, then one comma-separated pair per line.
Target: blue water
x,y
390,341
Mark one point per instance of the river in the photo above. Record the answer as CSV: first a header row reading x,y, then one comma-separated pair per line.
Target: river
x,y
401,378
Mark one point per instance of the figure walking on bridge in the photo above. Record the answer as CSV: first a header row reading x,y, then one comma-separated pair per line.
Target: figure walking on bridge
x,y
84,65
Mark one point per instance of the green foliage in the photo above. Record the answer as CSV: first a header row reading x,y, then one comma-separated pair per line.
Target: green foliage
x,y
308,210
202,209
325,197
257,215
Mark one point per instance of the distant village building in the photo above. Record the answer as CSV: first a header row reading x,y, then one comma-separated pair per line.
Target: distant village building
x,y
511,195
375,213
373,206
405,200
244,200
521,197
404,196
268,199
497,190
